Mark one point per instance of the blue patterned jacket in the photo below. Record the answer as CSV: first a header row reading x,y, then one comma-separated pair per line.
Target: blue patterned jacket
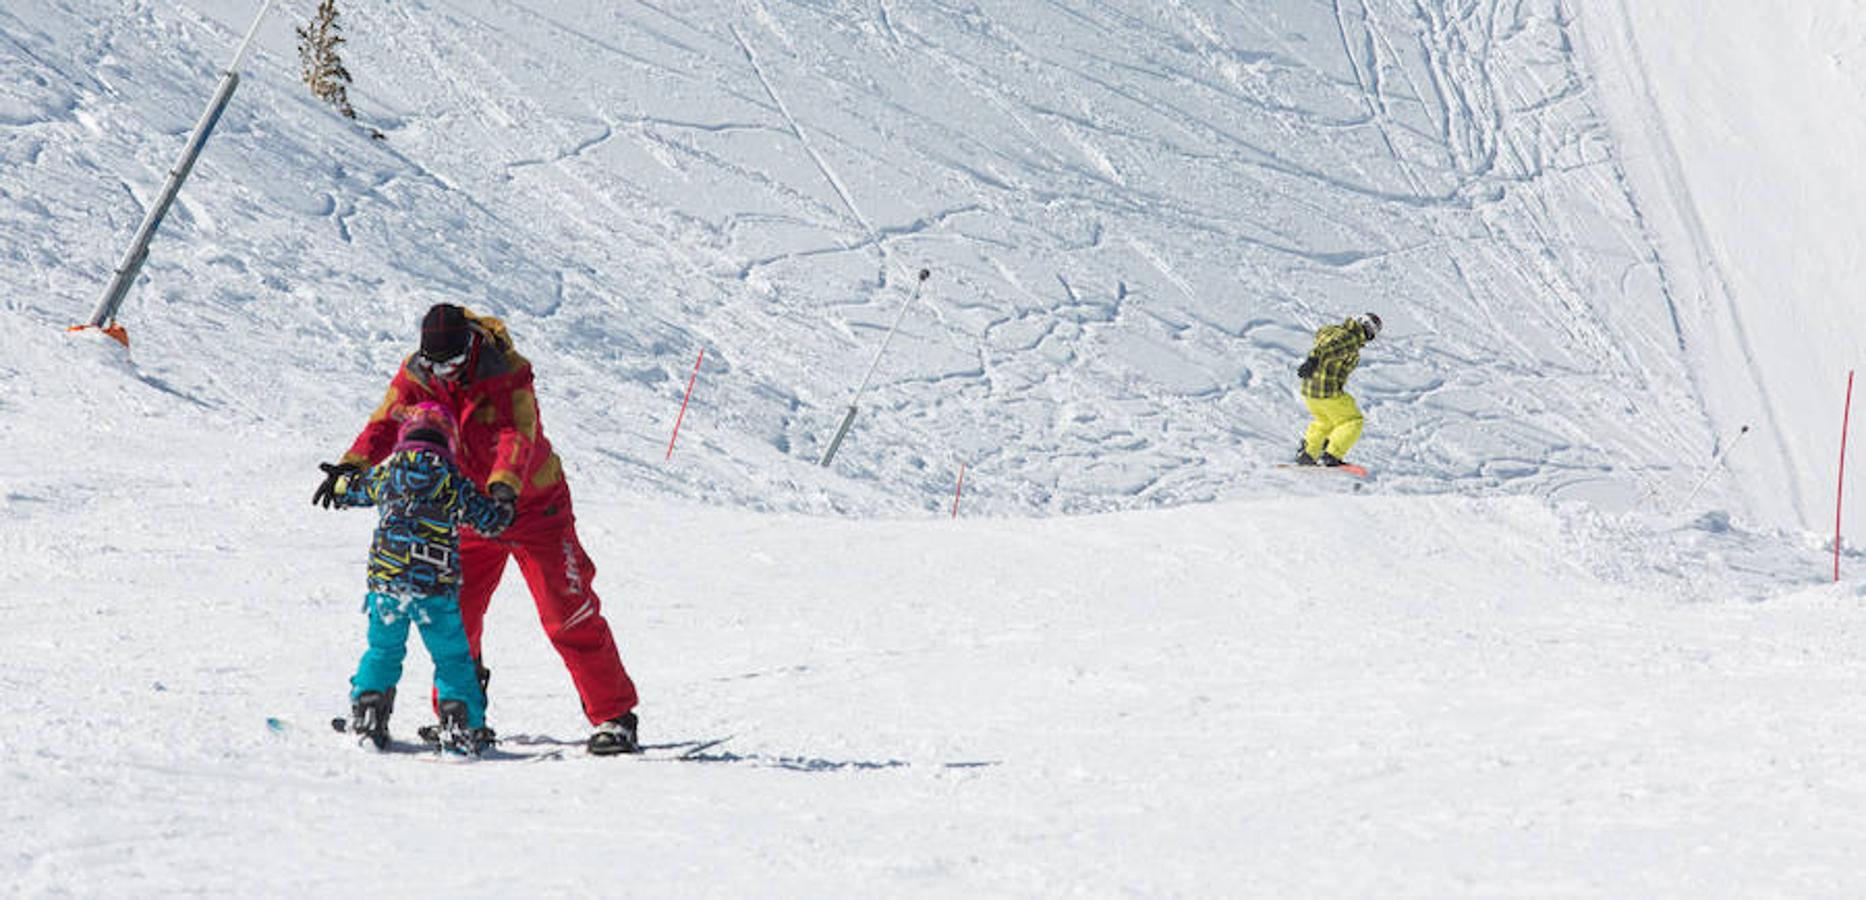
x,y
422,499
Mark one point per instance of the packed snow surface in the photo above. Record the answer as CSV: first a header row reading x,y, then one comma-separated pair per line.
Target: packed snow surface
x,y
1547,648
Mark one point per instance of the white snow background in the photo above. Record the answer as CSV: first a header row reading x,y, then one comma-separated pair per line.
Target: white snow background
x,y
1142,660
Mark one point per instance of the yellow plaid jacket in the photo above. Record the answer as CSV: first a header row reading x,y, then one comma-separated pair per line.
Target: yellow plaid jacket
x,y
1337,351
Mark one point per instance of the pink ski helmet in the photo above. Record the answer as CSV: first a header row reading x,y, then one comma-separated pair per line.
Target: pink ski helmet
x,y
428,423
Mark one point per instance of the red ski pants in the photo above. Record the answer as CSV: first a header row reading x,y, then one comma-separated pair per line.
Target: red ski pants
x,y
559,573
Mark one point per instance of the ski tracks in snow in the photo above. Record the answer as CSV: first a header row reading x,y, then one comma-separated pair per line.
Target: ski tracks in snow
x,y
1136,213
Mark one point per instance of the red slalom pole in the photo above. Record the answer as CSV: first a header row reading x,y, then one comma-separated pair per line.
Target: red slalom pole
x,y
1840,489
683,403
958,490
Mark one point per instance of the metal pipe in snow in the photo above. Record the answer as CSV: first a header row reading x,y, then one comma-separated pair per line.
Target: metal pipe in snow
x,y
240,56
842,431
898,317
1712,468
138,252
855,402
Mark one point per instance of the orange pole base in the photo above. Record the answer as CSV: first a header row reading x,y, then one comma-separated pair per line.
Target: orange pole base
x,y
114,330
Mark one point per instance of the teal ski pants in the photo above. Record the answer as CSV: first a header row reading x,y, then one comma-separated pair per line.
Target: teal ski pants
x,y
438,617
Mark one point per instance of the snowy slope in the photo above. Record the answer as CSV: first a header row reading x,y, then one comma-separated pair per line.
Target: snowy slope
x,y
1135,212
1502,666
1345,694
1738,128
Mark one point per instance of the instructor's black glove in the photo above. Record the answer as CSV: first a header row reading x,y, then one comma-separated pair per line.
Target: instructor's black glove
x,y
326,495
507,499
1306,369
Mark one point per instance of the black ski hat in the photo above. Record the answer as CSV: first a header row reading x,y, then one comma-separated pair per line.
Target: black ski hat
x,y
444,332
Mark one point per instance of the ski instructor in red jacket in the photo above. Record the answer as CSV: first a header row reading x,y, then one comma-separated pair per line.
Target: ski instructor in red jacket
x,y
467,364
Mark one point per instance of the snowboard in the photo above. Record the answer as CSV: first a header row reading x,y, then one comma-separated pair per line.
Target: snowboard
x,y
1344,468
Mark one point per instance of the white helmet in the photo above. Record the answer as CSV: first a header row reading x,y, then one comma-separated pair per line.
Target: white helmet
x,y
1370,323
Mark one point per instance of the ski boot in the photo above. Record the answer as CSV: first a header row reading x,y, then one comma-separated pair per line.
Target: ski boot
x,y
369,716
615,736
480,738
1329,459
453,735
431,734
1303,458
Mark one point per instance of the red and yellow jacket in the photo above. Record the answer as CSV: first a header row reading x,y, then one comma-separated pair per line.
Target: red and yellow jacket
x,y
501,438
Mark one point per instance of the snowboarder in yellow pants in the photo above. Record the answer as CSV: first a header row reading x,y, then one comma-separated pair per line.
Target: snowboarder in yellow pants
x,y
1337,423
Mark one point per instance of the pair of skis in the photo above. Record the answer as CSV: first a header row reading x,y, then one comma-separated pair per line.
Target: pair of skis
x,y
532,748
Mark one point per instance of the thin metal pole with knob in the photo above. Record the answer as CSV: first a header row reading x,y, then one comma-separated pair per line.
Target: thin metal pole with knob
x,y
848,417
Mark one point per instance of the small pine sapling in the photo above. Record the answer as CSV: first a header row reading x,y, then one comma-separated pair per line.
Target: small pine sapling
x,y
319,64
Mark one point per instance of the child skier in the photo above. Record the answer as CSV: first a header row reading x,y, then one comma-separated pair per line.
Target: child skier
x,y
414,575
1324,374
